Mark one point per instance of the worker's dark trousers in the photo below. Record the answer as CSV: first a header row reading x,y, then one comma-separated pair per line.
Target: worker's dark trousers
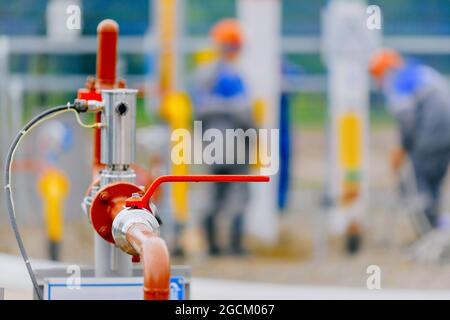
x,y
430,171
231,199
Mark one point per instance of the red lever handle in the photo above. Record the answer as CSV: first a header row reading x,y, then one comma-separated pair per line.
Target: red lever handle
x,y
143,202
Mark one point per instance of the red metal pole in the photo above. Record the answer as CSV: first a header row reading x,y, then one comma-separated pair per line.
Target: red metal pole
x,y
107,32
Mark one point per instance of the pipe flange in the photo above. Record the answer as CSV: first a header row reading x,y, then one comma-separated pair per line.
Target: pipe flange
x,y
125,219
107,203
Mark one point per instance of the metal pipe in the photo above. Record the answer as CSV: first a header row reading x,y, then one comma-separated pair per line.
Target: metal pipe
x,y
155,259
118,134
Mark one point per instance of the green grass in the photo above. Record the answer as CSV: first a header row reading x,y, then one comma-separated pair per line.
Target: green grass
x,y
143,116
310,111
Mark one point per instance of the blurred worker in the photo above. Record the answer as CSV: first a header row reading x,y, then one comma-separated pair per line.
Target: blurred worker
x,y
221,102
418,97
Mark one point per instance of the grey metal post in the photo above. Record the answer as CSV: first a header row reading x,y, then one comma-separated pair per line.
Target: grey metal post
x,y
4,75
110,261
4,79
347,45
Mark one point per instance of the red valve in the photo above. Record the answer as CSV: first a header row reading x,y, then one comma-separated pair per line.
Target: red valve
x,y
143,202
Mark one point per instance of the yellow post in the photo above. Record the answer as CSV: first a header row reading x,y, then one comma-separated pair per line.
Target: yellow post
x,y
53,186
175,107
259,114
167,36
350,152
350,141
176,110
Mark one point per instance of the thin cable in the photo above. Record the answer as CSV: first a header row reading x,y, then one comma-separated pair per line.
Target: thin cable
x,y
46,115
85,125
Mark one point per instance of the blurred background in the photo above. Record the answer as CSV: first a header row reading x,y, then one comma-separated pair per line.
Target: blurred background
x,y
307,227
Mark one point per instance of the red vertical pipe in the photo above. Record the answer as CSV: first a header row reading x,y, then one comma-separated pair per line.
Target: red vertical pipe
x,y
107,33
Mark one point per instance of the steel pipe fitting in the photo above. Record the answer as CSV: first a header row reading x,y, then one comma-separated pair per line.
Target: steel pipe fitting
x,y
125,220
118,134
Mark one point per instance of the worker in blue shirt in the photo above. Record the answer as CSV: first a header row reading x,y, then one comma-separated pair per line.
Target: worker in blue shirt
x,y
221,102
419,99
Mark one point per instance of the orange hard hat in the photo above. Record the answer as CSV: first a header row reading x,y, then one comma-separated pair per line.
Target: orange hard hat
x,y
227,32
382,61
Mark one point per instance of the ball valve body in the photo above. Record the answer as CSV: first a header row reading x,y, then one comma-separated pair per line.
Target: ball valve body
x,y
114,180
133,231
